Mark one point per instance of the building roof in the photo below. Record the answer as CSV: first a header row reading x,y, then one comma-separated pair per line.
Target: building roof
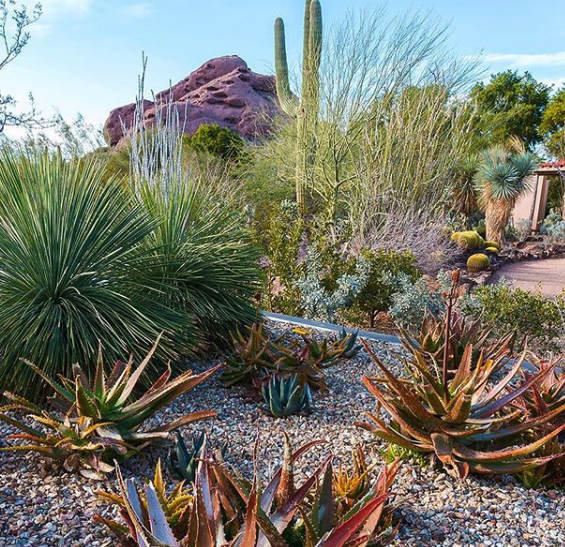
x,y
553,164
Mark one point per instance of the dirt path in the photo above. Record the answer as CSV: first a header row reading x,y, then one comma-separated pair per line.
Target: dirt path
x,y
549,275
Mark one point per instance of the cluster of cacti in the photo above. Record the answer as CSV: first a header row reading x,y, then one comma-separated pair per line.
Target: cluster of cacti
x,y
478,263
304,109
285,395
468,240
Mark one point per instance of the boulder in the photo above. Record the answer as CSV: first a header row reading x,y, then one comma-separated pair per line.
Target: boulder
x,y
223,91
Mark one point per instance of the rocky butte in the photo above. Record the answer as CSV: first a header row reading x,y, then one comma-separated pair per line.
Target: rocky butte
x,y
223,91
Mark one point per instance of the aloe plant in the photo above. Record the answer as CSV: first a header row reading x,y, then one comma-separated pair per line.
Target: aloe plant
x,y
470,424
228,510
106,415
256,358
285,395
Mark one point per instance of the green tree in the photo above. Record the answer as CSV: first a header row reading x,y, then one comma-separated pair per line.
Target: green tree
x,y
220,142
552,125
510,105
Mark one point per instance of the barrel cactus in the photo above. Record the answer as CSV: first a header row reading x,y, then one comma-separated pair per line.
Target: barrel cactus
x,y
468,240
478,263
492,244
492,250
306,108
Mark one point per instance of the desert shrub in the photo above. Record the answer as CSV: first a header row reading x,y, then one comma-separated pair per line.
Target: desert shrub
x,y
321,301
530,315
282,236
413,301
554,226
217,141
115,161
376,295
522,229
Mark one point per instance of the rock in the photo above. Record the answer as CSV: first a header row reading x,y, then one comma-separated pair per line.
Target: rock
x,y
223,91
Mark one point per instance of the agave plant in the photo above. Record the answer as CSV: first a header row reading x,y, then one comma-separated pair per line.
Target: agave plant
x,y
228,510
183,461
469,424
108,413
285,395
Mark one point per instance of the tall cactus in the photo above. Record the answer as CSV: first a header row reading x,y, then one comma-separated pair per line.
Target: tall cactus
x,y
306,108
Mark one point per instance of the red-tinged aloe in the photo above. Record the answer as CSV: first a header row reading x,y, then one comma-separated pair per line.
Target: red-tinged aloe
x,y
468,419
230,511
106,415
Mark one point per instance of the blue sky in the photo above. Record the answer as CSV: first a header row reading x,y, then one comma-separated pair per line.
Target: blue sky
x,y
85,55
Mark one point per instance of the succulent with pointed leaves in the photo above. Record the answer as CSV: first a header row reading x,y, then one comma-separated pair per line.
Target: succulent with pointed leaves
x,y
472,426
285,395
183,461
230,511
106,413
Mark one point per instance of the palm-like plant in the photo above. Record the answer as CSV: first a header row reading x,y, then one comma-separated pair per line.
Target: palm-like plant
x,y
502,177
73,268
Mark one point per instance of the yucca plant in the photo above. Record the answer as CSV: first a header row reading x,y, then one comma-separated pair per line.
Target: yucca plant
x,y
74,263
109,409
203,256
501,179
285,395
183,461
228,510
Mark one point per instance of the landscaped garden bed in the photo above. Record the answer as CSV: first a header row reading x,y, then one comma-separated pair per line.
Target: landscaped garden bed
x,y
432,508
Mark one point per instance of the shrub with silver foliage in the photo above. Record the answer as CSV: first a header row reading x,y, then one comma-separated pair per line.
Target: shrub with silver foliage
x,y
320,304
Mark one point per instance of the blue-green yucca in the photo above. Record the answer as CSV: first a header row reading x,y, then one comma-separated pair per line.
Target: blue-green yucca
x,y
203,256
73,271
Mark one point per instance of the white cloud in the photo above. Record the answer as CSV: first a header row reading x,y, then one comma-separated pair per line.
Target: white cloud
x,y
143,9
526,59
555,82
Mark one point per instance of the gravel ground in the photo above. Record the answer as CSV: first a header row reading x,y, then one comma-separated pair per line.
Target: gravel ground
x,y
42,508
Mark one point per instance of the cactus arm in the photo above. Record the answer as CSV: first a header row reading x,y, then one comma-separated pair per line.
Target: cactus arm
x,y
315,53
287,99
306,43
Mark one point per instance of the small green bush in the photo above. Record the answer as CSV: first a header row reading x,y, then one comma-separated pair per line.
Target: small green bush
x,y
220,142
478,263
377,294
532,316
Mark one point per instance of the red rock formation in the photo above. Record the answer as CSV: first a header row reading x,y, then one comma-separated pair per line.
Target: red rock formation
x,y
222,91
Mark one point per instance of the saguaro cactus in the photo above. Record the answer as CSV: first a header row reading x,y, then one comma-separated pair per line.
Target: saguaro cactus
x,y
306,108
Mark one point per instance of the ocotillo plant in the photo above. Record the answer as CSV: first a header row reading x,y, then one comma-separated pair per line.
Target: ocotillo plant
x,y
304,109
